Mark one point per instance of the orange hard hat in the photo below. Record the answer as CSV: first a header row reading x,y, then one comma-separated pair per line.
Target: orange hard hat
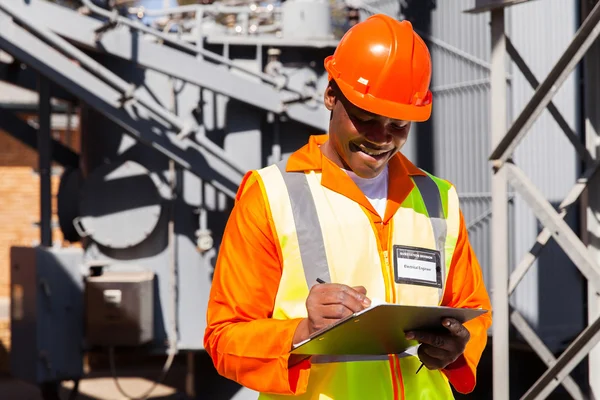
x,y
382,66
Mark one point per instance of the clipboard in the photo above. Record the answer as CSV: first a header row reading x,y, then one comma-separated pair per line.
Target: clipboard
x,y
379,330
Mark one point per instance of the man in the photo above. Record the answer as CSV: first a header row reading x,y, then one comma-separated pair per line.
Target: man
x,y
342,210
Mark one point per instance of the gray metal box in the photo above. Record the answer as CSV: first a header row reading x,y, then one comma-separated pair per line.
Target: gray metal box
x,y
119,308
46,314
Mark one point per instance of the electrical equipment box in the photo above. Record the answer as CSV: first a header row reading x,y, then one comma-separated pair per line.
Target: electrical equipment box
x,y
119,308
46,314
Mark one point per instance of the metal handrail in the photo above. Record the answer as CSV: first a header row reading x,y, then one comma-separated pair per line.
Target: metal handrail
x,y
215,8
115,18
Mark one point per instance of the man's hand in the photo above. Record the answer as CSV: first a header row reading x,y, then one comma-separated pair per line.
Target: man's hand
x,y
438,350
328,303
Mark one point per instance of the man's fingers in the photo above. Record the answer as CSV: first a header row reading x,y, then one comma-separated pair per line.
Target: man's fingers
x,y
430,362
334,293
360,289
456,328
341,299
435,352
334,311
432,339
359,293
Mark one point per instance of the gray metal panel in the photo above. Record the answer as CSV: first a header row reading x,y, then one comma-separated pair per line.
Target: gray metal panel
x,y
47,333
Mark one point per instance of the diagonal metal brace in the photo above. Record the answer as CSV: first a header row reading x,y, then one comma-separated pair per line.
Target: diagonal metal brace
x,y
569,359
560,120
543,352
561,232
545,235
583,39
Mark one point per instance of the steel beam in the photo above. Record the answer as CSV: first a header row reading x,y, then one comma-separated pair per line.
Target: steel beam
x,y
137,121
568,360
561,232
15,74
583,39
44,149
23,132
499,238
543,352
544,236
575,140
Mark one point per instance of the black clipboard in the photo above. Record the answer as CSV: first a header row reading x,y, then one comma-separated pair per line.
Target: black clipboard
x,y
379,330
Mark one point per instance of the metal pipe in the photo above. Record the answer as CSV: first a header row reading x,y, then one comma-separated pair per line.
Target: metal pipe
x,y
216,8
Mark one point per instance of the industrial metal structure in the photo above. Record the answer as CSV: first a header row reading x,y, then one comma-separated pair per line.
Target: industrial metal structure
x,y
506,172
176,104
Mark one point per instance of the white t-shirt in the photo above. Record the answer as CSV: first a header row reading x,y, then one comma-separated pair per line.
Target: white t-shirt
x,y
374,189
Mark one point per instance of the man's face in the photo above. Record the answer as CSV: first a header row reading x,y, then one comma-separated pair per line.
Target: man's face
x,y
359,140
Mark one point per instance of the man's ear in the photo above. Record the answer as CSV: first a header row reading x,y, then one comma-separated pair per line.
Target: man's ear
x,y
329,98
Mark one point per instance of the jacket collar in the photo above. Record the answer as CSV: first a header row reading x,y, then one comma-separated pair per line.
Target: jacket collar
x,y
310,158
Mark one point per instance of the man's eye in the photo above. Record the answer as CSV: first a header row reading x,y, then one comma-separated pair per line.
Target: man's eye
x,y
359,119
399,127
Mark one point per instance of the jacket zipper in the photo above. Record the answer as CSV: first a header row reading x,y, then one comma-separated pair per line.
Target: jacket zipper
x,y
397,379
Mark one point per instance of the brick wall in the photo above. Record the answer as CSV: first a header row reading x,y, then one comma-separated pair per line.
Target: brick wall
x,y
19,202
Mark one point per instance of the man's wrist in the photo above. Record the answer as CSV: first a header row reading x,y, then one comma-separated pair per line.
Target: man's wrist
x,y
302,332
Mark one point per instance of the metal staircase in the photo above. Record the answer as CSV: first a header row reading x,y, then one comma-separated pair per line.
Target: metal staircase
x,y
51,39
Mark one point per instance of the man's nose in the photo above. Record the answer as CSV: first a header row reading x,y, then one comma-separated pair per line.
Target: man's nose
x,y
378,133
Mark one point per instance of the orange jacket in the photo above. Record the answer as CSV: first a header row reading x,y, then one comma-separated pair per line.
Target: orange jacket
x,y
251,348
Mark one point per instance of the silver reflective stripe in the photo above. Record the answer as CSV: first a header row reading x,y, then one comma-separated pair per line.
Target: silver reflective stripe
x,y
308,228
326,359
433,203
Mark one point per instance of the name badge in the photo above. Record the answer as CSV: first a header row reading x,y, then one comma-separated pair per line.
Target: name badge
x,y
416,266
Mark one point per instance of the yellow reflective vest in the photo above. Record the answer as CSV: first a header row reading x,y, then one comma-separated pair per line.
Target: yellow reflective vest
x,y
324,234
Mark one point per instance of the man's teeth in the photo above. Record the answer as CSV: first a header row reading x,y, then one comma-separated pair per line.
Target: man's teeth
x,y
372,152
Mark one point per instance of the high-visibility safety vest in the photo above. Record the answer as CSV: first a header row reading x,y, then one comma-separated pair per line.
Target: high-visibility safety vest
x,y
323,234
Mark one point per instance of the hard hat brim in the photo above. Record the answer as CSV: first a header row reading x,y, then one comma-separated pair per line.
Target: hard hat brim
x,y
386,108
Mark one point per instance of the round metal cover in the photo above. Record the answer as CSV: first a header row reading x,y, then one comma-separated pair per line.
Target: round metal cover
x,y
120,205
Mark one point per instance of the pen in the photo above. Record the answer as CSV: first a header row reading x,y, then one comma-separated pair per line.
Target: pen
x,y
419,369
322,281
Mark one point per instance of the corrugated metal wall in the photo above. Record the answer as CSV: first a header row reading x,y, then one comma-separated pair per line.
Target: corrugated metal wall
x,y
460,47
